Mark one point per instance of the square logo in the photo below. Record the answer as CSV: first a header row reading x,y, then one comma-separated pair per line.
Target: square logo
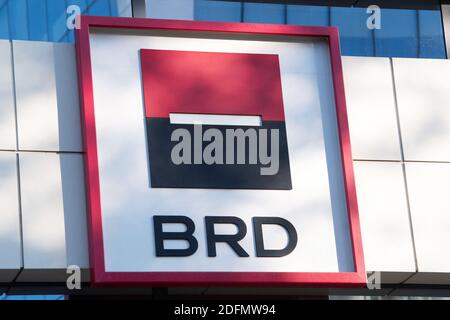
x,y
215,120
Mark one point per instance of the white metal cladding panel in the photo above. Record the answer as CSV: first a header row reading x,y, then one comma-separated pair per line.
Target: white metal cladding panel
x,y
7,112
384,217
75,221
10,242
429,187
371,108
47,96
423,96
170,9
53,210
42,211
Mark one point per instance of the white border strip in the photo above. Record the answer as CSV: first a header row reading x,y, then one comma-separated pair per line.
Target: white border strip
x,y
215,119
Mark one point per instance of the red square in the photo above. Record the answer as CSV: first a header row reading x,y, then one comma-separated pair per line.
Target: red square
x,y
211,83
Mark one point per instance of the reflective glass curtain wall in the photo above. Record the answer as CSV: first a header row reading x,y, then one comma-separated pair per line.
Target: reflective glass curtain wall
x,y
403,33
45,20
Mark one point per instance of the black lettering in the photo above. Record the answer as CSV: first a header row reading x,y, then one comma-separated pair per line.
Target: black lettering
x,y
187,235
231,239
259,240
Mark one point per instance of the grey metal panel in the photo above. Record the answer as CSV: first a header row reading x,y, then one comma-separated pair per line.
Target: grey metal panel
x,y
139,8
446,21
420,294
7,112
394,277
86,289
430,278
261,291
10,240
47,96
74,202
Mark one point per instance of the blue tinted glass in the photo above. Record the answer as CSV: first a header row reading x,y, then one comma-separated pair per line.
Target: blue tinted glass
x,y
37,18
356,38
431,34
113,9
211,10
264,13
403,33
398,36
18,19
4,21
99,7
32,297
46,20
308,15
56,19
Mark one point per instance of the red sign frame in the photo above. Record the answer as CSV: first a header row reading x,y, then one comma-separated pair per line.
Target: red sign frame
x,y
99,276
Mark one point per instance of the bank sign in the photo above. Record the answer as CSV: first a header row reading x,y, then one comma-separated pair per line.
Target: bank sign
x,y
216,154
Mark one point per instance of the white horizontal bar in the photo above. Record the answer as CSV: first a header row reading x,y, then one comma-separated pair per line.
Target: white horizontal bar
x,y
215,119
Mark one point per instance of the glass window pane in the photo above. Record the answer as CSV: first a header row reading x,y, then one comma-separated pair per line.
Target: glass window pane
x,y
170,9
398,35
4,20
113,10
82,4
37,15
99,8
356,38
123,8
432,44
403,33
56,19
211,10
46,20
264,13
308,15
18,19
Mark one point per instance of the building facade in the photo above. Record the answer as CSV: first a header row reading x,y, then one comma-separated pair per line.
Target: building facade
x,y
396,75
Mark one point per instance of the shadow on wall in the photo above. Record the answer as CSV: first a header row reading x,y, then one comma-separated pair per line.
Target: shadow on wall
x,y
74,203
69,127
